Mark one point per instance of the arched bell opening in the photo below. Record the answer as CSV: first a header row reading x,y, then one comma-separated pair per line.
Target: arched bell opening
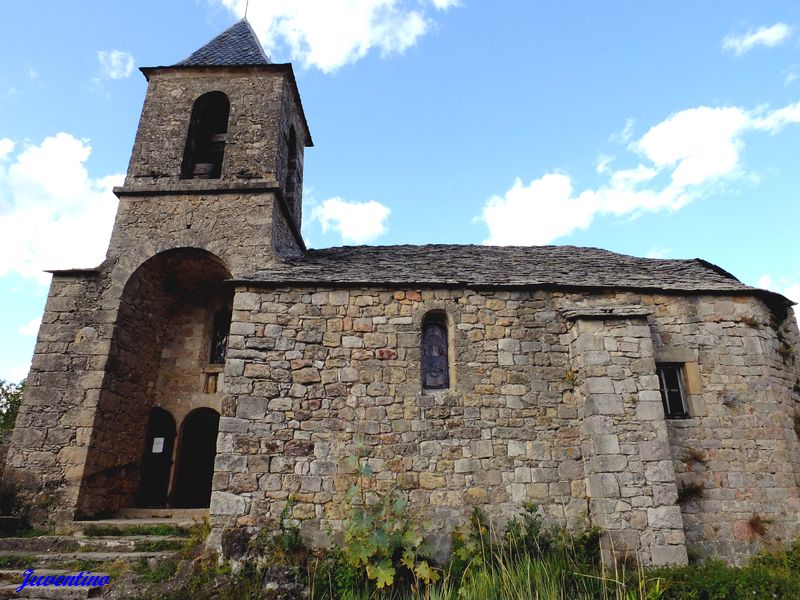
x,y
206,138
159,358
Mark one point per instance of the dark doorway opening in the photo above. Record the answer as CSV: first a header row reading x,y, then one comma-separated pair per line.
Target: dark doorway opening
x,y
195,468
157,460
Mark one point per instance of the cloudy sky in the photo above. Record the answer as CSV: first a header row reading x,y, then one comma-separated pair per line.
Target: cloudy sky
x,y
665,129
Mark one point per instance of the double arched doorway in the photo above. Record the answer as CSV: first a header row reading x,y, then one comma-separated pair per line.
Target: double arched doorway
x,y
154,434
178,475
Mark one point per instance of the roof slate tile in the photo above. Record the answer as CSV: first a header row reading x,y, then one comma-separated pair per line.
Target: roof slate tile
x,y
236,46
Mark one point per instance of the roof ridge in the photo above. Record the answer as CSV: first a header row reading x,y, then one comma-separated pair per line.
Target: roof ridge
x,y
236,46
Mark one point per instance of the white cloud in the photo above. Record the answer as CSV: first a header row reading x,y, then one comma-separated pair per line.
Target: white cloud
x,y
684,156
763,36
783,286
790,75
765,282
115,64
52,214
30,328
328,34
792,292
356,222
603,163
702,143
537,213
655,252
15,374
625,134
6,147
33,74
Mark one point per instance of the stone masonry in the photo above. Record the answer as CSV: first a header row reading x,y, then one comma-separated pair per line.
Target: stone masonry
x,y
553,394
554,401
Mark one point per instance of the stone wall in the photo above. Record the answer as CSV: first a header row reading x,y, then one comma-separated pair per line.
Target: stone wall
x,y
739,446
48,446
535,410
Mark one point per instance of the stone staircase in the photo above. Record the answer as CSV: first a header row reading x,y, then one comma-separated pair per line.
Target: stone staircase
x,y
117,547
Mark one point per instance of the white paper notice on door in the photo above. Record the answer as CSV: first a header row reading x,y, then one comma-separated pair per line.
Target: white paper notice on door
x,y
158,445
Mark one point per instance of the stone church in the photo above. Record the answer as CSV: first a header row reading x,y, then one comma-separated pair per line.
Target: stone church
x,y
212,362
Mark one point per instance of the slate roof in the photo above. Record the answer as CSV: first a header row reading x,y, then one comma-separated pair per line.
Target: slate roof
x,y
236,46
498,266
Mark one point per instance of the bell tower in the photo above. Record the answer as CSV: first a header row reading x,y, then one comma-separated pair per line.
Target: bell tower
x,y
131,354
218,157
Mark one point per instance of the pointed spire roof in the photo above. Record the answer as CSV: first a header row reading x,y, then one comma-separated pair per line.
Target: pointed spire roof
x,y
238,45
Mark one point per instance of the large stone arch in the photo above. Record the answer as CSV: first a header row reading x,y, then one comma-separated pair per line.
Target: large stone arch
x,y
158,301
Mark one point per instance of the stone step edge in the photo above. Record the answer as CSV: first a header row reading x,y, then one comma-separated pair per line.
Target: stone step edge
x,y
100,538
47,557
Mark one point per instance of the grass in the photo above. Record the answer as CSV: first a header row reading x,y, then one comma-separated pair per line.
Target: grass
x,y
12,562
160,572
158,546
129,530
25,533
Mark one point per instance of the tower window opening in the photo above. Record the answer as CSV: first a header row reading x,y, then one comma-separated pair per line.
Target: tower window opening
x,y
205,142
219,337
291,170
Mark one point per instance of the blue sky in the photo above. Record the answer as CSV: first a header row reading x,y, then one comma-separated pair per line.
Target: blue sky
x,y
656,129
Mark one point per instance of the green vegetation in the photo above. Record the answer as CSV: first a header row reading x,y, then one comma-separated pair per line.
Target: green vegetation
x,y
161,571
112,530
13,561
157,545
10,400
525,561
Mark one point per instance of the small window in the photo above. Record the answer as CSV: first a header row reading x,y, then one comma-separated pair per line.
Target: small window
x,y
219,338
435,356
291,171
673,395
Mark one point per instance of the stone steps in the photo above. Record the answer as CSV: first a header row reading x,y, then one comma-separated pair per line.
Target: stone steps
x,y
84,544
70,554
79,527
67,558
10,580
191,514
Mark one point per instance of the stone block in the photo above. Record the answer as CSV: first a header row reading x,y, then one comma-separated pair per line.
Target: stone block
x,y
605,404
251,408
466,465
605,443
665,517
224,503
481,449
668,555
649,411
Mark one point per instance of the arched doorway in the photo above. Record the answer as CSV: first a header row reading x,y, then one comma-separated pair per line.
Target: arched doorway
x,y
195,468
167,306
157,460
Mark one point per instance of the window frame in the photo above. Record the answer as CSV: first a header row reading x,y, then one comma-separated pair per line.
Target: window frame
x,y
665,390
435,318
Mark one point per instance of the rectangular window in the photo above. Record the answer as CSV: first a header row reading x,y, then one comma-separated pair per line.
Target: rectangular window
x,y
673,395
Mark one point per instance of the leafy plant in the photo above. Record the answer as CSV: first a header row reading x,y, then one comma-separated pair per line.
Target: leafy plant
x,y
381,538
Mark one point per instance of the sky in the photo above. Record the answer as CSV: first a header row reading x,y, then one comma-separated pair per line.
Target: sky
x,y
665,130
